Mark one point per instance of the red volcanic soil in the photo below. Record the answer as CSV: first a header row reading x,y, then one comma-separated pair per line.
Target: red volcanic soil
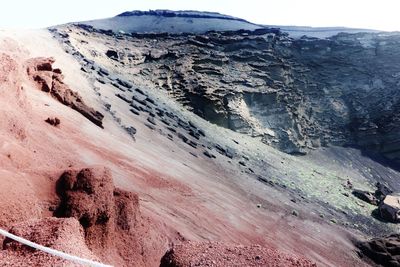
x,y
219,255
61,234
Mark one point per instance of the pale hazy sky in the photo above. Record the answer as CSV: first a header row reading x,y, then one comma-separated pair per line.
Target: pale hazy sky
x,y
373,14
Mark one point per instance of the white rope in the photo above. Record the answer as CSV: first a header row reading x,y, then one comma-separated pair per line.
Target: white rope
x,y
53,251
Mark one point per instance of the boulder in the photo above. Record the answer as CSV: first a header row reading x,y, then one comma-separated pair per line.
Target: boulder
x,y
365,196
389,208
382,191
112,54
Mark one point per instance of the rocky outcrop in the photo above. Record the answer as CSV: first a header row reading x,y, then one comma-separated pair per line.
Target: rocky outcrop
x,y
50,80
113,226
374,198
366,196
87,195
384,251
126,209
389,209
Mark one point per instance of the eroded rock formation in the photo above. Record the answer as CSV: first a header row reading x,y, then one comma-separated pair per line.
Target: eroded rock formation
x,y
114,228
87,195
51,81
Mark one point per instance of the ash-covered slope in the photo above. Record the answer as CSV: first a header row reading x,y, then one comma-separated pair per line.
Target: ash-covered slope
x,y
166,21
318,32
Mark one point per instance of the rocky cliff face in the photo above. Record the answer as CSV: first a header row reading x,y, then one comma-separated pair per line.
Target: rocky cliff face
x,y
293,94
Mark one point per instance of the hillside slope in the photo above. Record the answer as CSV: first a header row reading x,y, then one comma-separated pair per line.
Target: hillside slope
x,y
162,149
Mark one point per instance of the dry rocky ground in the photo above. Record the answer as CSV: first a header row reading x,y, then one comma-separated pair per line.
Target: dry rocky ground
x,y
111,147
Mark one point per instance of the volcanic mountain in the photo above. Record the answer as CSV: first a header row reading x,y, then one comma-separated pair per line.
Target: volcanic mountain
x,y
180,138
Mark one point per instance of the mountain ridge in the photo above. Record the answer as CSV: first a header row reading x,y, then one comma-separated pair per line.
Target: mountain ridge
x,y
180,13
293,31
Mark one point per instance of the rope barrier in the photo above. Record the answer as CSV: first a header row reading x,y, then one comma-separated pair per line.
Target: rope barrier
x,y
53,251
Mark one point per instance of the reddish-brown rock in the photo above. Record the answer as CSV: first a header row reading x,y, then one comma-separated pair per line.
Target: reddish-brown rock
x,y
126,209
114,228
87,195
51,81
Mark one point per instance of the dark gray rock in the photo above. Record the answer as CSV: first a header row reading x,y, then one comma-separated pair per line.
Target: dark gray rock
x,y
384,251
389,209
135,107
151,120
192,144
134,111
131,131
366,196
140,91
103,72
183,137
112,54
209,155
150,126
194,134
382,191
165,122
123,98
124,83
172,129
151,101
